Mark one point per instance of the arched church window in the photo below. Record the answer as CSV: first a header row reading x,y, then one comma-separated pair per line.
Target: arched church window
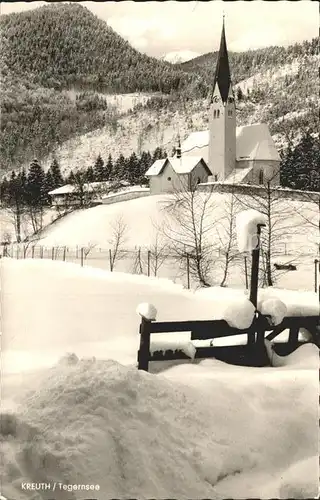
x,y
261,177
218,113
215,114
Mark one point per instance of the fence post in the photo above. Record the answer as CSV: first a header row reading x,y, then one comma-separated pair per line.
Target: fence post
x,y
149,256
246,271
64,254
254,347
41,252
32,252
144,349
81,255
110,260
316,262
52,253
255,269
188,271
18,251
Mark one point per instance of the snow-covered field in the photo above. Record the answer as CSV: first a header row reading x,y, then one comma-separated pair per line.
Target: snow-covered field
x,y
196,430
145,222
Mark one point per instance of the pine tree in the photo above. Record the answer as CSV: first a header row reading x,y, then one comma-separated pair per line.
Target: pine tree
x,y
158,154
35,185
118,171
108,168
57,178
99,170
90,175
14,201
49,184
145,164
133,169
239,94
300,165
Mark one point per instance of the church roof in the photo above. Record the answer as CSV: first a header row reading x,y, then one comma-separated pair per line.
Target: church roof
x,y
253,142
183,165
222,76
156,167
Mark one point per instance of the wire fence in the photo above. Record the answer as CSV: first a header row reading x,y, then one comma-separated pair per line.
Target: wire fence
x,y
164,263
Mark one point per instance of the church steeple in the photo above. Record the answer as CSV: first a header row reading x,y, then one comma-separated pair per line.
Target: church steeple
x,y
222,77
222,118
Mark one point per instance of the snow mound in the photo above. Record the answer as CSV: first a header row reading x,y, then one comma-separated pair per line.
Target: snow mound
x,y
140,435
147,311
239,313
275,308
295,481
305,356
246,225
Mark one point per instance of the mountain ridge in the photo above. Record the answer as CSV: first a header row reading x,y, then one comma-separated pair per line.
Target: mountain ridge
x,y
43,115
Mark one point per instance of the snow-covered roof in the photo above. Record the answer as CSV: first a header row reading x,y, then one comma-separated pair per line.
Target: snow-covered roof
x,y
67,188
238,175
156,167
195,140
253,142
183,165
130,189
88,187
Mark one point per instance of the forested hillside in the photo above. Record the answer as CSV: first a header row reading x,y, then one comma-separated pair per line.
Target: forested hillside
x,y
55,48
66,46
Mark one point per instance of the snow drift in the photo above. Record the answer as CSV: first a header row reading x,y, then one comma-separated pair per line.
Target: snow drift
x,y
139,435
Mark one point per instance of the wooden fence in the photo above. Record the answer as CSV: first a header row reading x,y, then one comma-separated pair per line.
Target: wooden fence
x,y
253,353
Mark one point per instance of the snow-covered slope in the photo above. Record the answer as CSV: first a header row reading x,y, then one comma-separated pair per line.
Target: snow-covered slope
x,y
148,129
144,218
99,421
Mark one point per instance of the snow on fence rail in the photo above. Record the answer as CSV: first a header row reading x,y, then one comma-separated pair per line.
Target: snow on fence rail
x,y
253,352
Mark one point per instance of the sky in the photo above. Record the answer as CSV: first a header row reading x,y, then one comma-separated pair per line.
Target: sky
x,y
184,30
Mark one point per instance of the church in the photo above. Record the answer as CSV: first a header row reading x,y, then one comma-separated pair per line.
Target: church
x,y
223,153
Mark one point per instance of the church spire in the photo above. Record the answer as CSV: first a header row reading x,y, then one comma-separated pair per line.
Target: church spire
x,y
222,76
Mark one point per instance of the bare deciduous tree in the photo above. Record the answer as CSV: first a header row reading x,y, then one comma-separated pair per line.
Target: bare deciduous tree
x,y
281,224
189,230
88,248
117,240
158,254
226,232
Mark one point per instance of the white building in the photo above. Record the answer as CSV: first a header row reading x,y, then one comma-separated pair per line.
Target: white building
x,y
74,195
233,154
177,174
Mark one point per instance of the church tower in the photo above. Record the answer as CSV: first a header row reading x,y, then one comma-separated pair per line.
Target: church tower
x,y
222,118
